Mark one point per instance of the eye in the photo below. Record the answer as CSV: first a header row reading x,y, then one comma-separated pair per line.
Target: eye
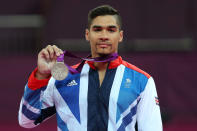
x,y
112,29
97,29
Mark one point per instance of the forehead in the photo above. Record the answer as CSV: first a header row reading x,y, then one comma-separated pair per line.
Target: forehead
x,y
104,21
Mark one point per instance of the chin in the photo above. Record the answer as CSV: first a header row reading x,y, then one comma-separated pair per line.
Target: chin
x,y
102,54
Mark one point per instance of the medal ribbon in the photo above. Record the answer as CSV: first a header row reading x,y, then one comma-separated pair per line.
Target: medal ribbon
x,y
78,69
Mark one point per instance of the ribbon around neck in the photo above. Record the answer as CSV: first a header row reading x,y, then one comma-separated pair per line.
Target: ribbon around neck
x,y
107,58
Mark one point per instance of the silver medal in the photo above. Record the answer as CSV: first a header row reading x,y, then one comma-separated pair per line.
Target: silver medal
x,y
59,71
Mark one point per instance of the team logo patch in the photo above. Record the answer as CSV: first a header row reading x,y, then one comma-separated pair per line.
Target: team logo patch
x,y
128,83
157,100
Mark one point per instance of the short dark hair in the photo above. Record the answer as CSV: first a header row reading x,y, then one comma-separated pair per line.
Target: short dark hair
x,y
102,11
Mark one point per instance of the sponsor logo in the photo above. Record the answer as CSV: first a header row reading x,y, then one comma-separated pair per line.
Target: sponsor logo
x,y
72,83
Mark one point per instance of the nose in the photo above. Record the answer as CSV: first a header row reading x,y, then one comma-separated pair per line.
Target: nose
x,y
103,39
104,36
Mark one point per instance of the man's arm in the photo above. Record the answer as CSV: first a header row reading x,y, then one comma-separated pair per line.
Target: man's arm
x,y
148,110
36,101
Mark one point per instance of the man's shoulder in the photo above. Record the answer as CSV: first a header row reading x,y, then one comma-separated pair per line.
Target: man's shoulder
x,y
135,68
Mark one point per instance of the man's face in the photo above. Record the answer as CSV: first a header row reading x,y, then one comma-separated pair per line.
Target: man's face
x,y
104,35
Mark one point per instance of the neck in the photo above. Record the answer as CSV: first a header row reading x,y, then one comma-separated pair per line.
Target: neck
x,y
101,65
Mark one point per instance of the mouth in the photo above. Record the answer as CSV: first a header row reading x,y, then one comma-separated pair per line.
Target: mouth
x,y
103,45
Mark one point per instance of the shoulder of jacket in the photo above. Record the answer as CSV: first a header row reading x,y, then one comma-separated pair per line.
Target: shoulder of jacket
x,y
135,68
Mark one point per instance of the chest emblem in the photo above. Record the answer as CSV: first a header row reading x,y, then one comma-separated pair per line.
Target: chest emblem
x,y
128,83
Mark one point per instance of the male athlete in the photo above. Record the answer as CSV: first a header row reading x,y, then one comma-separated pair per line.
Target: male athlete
x,y
104,96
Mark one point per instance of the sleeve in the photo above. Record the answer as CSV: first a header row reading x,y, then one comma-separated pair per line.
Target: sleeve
x,y
148,110
37,102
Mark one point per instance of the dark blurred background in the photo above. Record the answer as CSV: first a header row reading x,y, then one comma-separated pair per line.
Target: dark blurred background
x,y
160,37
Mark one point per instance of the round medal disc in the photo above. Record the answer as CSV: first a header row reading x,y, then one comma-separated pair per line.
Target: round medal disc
x,y
59,71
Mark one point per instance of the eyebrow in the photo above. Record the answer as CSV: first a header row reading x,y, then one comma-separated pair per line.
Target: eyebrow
x,y
96,26
110,26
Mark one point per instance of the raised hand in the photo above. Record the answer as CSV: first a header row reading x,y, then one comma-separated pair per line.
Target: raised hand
x,y
46,59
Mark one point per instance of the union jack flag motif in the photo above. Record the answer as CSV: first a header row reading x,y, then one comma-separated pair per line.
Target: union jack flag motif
x,y
157,100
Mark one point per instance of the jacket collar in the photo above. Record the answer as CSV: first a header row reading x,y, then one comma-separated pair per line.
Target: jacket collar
x,y
113,64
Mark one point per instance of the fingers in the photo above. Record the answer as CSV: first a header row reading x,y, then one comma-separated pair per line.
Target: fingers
x,y
44,53
51,52
57,50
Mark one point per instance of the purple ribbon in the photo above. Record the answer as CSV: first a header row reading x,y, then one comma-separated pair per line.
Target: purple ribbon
x,y
78,69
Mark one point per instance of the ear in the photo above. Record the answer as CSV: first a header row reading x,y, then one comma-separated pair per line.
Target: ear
x,y
87,34
121,36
